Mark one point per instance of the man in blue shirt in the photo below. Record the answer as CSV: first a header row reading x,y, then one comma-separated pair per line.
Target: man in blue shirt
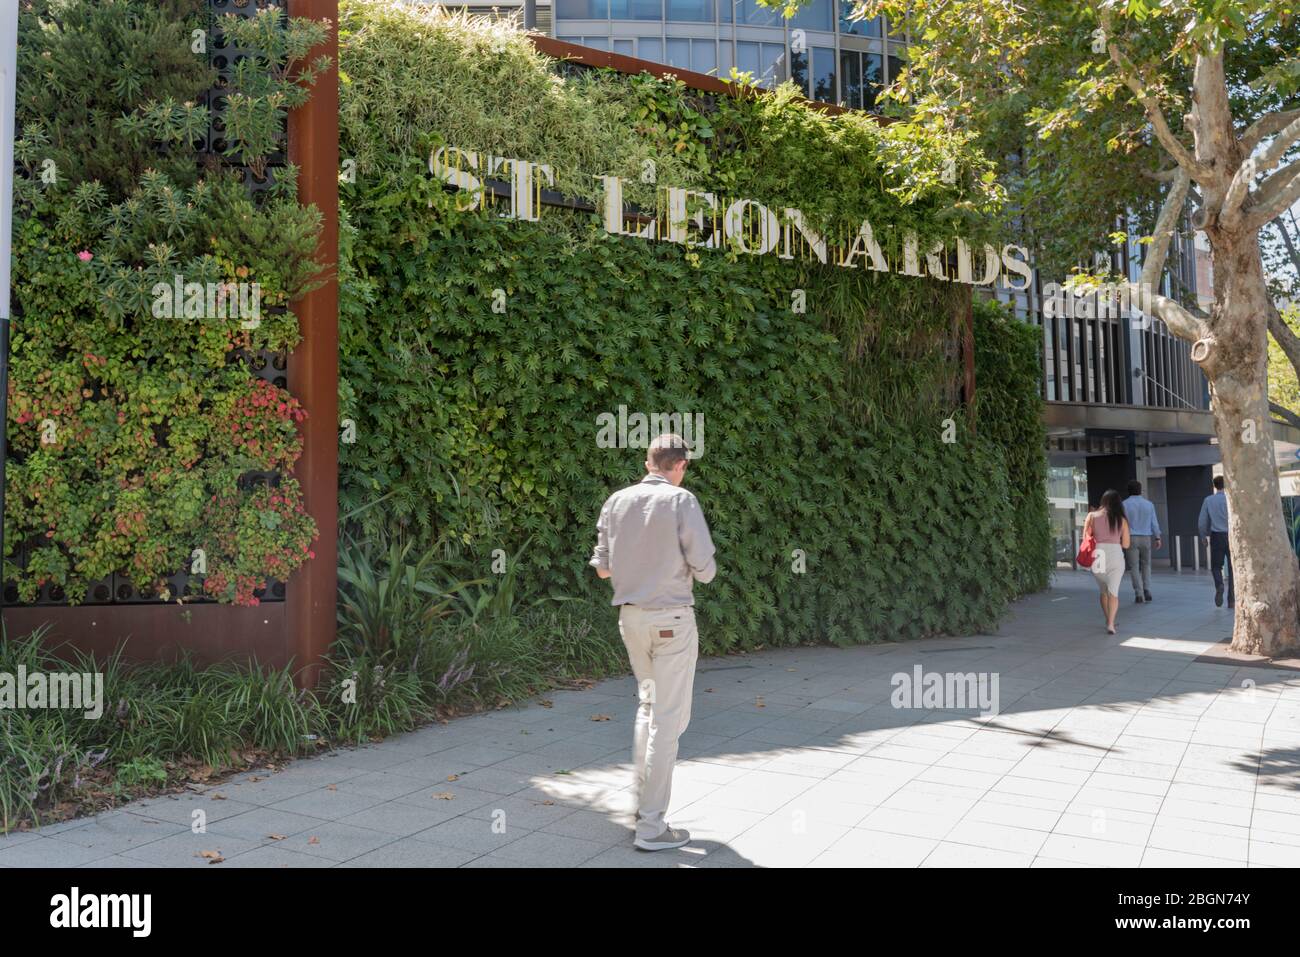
x,y
1213,524
1144,530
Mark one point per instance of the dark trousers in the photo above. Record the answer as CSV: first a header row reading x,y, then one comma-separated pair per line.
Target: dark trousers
x,y
1219,554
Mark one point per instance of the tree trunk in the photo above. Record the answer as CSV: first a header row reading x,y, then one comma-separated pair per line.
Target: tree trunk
x,y
1264,566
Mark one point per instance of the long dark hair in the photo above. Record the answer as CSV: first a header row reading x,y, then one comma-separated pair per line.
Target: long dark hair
x,y
1114,509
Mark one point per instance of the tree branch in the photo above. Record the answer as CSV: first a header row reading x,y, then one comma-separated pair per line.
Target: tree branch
x,y
1265,127
1285,414
1154,114
1284,336
1181,322
1290,248
1253,166
1274,196
1153,262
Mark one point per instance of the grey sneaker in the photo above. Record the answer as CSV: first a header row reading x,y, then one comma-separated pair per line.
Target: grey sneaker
x,y
670,838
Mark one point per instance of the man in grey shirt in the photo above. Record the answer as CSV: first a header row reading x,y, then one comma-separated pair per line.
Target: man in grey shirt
x,y
653,543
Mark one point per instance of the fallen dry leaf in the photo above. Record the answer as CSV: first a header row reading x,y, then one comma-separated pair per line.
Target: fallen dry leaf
x,y
444,796
548,803
758,702
212,857
313,840
600,717
546,703
217,796
453,777
331,787
276,837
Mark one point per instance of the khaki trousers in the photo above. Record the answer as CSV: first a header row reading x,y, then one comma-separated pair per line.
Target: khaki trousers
x,y
663,646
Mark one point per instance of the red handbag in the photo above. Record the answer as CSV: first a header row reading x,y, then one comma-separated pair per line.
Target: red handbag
x,y
1087,551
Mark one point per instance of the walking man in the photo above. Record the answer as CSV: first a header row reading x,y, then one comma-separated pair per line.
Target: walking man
x,y
1144,534
1213,524
653,543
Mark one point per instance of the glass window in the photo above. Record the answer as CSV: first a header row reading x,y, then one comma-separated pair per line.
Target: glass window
x,y
695,11
582,9
636,9
725,60
650,48
859,28
751,13
747,59
873,77
623,47
596,43
724,10
570,39
823,74
815,15
773,63
851,79
895,67
679,53
704,56
799,70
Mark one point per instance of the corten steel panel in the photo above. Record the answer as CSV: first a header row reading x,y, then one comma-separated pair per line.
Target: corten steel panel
x,y
211,633
313,366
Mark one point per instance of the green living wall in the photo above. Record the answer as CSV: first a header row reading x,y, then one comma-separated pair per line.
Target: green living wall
x,y
134,424
477,352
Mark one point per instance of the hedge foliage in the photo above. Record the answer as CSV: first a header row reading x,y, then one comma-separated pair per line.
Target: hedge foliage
x,y
839,512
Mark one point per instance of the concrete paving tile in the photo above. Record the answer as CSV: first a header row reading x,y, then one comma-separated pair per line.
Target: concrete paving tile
x,y
964,855
412,854
554,850
861,847
335,842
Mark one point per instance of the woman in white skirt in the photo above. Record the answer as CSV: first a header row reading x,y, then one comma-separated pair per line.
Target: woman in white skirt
x,y
1110,529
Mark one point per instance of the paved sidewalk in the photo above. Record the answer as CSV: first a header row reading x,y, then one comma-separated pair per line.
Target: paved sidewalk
x,y
1107,751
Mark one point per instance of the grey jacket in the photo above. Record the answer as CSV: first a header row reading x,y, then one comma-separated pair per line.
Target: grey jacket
x,y
655,543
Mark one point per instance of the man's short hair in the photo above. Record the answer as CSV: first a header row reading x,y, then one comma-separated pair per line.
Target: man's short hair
x,y
1134,487
665,451
1218,482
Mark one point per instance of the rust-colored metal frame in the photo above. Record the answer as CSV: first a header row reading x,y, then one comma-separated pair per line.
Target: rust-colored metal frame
x,y
314,365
